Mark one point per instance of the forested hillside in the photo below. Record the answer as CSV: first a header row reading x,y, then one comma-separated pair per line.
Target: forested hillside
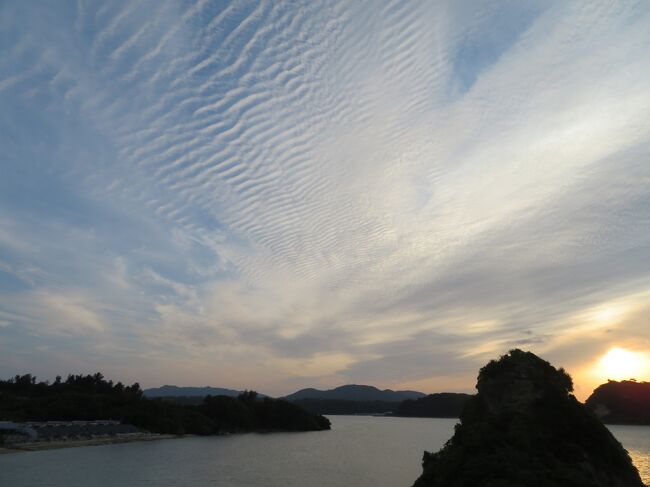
x,y
92,397
624,402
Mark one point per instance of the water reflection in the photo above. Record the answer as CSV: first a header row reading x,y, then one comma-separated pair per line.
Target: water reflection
x,y
636,440
358,452
642,461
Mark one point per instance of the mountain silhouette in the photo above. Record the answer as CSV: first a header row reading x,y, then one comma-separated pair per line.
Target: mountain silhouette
x,y
176,391
354,392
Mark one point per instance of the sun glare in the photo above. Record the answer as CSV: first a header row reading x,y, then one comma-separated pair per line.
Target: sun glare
x,y
621,364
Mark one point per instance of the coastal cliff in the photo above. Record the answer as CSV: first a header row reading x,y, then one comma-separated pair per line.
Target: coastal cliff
x,y
524,428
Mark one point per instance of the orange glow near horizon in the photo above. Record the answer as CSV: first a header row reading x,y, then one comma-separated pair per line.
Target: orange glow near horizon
x,y
617,363
622,364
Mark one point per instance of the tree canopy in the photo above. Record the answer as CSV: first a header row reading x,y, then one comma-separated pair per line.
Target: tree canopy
x,y
92,397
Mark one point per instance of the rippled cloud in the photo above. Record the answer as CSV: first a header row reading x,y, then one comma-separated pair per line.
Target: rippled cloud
x,y
274,195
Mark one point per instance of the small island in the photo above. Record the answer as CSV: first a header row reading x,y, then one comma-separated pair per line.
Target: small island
x,y
624,402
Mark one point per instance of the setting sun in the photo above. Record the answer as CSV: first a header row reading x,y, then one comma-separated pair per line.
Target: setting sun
x,y
620,364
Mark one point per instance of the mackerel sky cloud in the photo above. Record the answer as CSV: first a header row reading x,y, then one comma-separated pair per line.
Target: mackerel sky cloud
x,y
279,194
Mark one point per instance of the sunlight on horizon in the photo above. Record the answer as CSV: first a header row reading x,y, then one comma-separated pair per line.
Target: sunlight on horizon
x,y
622,364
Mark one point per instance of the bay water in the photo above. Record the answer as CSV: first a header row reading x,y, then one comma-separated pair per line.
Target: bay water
x,y
359,451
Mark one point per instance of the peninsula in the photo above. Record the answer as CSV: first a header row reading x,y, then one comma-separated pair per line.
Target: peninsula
x,y
88,406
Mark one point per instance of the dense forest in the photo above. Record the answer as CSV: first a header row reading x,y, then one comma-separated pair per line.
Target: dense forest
x,y
92,397
442,405
625,402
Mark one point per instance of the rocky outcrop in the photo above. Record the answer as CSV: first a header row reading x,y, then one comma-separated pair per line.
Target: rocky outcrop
x,y
525,429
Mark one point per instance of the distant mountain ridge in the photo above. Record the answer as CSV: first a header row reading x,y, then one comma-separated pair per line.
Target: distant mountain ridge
x,y
349,392
176,391
355,392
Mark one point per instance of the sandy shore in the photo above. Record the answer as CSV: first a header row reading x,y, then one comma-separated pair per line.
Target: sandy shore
x,y
109,440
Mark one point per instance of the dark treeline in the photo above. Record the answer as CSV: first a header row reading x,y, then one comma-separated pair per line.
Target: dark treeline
x,y
184,400
91,397
442,405
625,402
344,406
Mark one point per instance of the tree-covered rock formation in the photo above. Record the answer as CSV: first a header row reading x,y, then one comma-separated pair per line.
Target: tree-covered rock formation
x,y
525,429
625,402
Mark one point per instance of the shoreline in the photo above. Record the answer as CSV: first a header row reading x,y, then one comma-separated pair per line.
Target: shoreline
x,y
111,440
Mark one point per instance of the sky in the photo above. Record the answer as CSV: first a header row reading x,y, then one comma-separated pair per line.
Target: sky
x,y
276,195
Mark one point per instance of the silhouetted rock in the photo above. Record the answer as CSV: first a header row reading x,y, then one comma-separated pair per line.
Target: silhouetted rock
x,y
625,402
525,429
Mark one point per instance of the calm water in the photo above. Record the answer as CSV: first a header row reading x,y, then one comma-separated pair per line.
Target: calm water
x,y
359,452
636,440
